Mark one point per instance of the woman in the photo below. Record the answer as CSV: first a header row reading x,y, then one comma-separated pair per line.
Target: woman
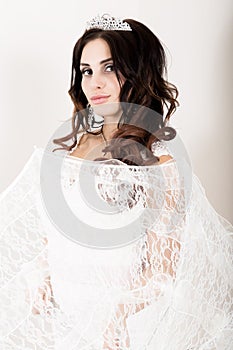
x,y
148,270
136,76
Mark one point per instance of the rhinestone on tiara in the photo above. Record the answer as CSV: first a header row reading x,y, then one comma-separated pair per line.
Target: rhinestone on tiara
x,y
106,22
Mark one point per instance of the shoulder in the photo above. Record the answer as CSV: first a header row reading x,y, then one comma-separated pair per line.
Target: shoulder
x,y
164,158
85,143
82,138
160,150
86,138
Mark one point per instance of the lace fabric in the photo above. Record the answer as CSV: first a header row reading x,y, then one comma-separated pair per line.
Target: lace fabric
x,y
170,289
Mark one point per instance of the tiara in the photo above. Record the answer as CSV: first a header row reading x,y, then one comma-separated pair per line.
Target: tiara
x,y
106,22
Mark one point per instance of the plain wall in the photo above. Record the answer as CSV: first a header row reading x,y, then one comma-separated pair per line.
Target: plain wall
x,y
36,43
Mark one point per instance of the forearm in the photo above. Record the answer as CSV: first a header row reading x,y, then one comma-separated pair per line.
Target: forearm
x,y
116,335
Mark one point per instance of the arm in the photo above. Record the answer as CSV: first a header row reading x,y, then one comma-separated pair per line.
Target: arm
x,y
21,248
159,256
43,300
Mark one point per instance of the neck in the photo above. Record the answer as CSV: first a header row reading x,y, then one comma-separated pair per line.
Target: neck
x,y
111,113
108,130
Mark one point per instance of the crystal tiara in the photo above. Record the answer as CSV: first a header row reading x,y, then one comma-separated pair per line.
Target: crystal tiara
x,y
106,22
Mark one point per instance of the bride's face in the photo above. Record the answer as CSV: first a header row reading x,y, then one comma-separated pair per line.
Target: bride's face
x,y
99,81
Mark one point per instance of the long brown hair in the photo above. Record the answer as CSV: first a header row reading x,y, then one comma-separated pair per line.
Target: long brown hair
x,y
140,58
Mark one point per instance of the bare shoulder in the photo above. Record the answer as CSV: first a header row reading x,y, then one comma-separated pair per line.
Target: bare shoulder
x,y
85,145
88,139
165,158
80,147
83,139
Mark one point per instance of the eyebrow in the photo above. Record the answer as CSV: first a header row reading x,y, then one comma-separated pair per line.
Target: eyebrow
x,y
101,62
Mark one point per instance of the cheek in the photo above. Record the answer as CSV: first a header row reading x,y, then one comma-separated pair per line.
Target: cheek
x,y
84,87
116,87
118,91
120,85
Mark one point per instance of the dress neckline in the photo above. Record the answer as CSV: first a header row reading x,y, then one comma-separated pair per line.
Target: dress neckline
x,y
70,157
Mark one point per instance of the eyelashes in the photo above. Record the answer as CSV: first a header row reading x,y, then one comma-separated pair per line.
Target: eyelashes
x,y
86,71
107,68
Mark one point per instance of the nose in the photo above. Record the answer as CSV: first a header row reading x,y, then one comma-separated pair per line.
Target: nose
x,y
97,80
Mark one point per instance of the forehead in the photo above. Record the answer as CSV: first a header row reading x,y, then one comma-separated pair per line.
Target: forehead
x,y
95,50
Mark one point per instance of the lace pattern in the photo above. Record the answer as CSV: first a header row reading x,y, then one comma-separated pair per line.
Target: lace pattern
x,y
170,290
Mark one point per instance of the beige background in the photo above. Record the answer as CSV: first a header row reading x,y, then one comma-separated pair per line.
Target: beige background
x,y
36,42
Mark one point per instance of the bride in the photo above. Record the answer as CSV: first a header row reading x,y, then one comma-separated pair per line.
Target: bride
x,y
109,241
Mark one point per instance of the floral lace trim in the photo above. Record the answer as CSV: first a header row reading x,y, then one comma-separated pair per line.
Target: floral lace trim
x,y
160,148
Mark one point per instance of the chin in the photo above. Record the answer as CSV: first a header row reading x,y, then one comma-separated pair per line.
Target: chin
x,y
107,109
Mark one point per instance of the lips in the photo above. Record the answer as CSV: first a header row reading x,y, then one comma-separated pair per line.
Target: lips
x,y
97,99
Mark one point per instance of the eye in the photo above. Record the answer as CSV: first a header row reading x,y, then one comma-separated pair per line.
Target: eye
x,y
86,71
109,68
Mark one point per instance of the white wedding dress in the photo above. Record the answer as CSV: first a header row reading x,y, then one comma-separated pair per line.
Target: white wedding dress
x,y
170,288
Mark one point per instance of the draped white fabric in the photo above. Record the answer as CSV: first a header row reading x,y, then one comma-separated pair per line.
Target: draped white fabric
x,y
171,289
